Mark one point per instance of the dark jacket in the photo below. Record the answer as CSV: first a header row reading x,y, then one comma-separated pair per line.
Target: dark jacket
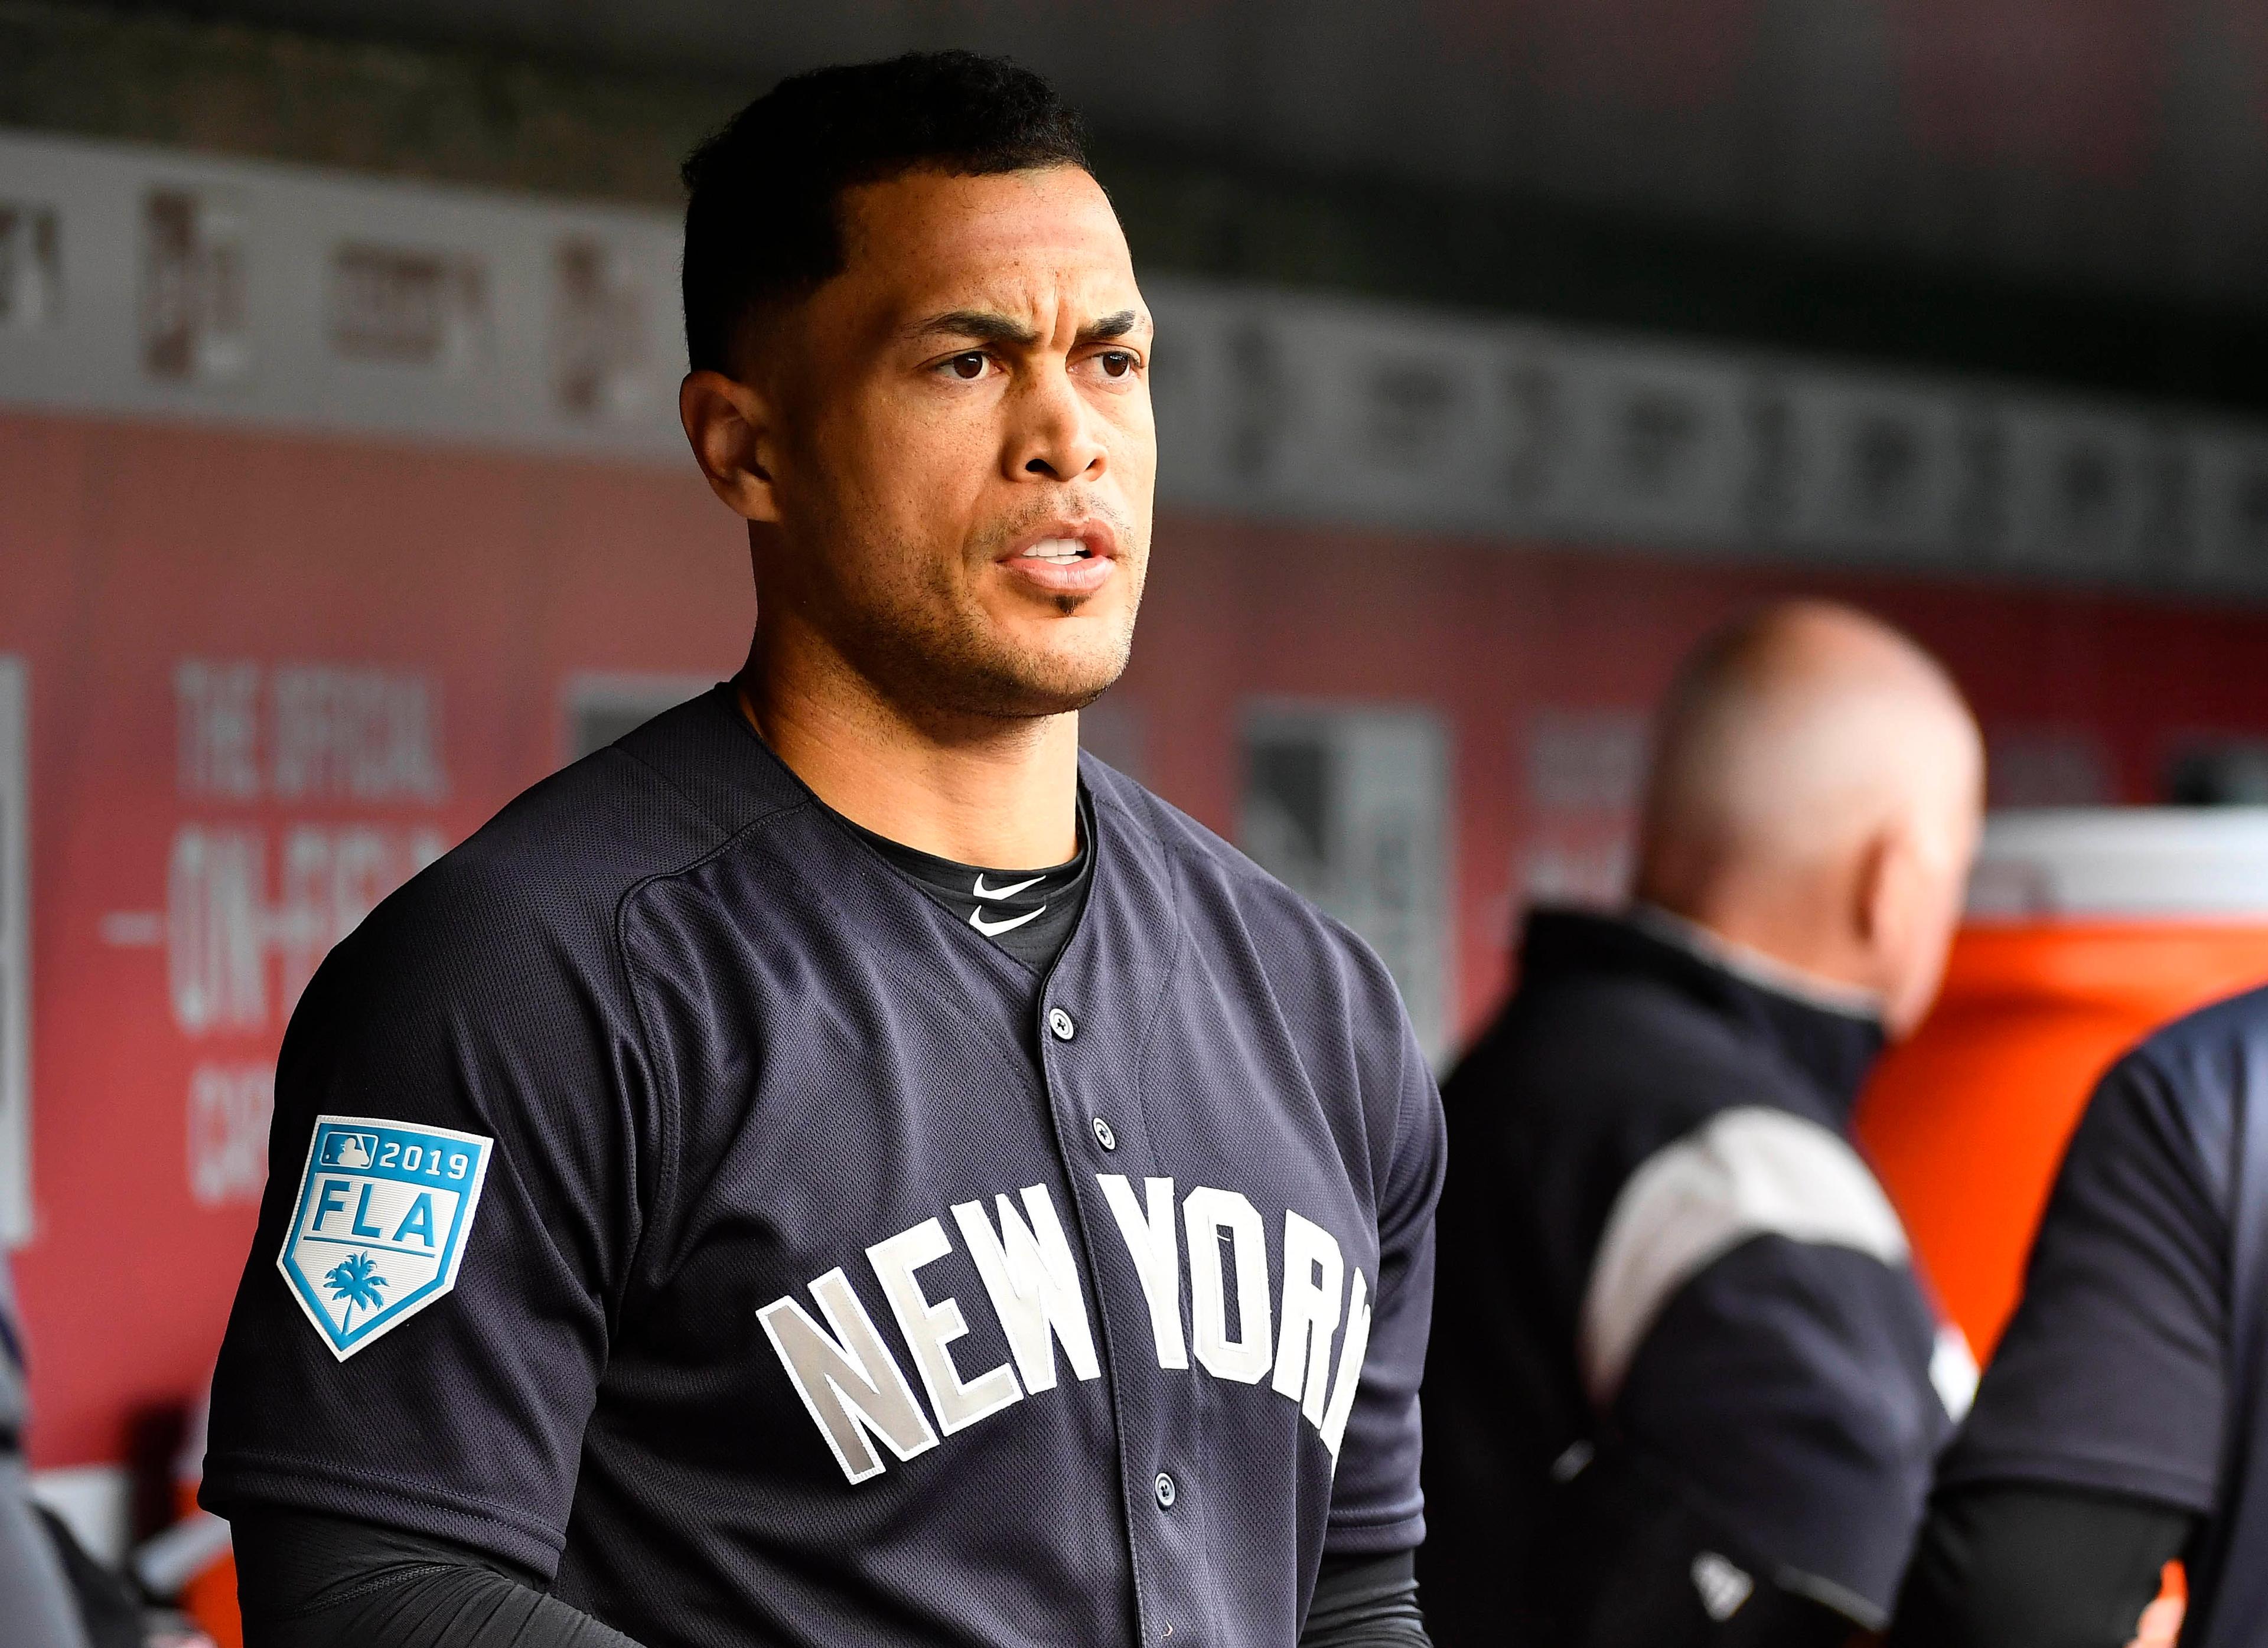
x,y
1655,1230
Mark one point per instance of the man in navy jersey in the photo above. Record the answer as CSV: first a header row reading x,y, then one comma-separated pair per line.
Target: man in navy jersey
x,y
2123,1420
838,1166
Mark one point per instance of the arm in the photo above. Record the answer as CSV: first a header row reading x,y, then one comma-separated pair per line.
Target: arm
x,y
2095,1444
1366,1593
2017,1566
454,1008
2109,1375
309,1581
1787,1386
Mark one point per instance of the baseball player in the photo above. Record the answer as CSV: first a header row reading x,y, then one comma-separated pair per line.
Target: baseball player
x,y
840,1166
2123,1420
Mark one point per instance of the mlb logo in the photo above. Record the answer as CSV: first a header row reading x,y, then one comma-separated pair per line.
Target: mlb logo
x,y
383,1211
349,1150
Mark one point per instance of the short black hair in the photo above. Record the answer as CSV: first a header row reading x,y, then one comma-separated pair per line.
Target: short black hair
x,y
760,216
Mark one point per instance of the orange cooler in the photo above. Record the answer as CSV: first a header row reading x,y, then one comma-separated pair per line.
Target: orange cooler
x,y
2087,929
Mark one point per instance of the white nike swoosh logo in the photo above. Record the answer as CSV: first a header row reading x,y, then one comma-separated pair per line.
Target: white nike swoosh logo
x,y
984,892
991,930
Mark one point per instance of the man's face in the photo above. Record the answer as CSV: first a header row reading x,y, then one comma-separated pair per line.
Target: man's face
x,y
960,453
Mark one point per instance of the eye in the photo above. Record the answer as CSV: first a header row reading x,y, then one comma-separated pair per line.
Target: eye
x,y
969,367
1117,363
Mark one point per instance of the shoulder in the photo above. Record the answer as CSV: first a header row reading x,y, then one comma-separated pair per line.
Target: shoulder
x,y
1624,1061
1258,941
1196,852
530,902
2238,1019
2177,1092
2202,1058
1222,892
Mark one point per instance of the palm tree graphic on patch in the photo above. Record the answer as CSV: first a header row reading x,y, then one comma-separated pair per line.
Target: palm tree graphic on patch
x,y
355,1280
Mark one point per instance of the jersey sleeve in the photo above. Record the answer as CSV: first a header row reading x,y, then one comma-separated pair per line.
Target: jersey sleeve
x,y
1787,1384
1377,1506
2110,1374
470,1018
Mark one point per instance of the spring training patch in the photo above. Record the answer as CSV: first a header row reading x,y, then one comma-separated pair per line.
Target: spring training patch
x,y
384,1212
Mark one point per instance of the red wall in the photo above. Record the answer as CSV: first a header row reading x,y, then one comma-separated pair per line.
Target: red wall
x,y
1489,635
126,548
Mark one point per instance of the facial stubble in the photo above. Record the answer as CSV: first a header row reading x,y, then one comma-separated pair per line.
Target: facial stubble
x,y
927,642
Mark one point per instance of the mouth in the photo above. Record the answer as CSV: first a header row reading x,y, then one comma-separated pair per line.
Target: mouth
x,y
1064,558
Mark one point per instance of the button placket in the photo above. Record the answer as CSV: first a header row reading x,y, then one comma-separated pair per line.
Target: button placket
x,y
1150,1416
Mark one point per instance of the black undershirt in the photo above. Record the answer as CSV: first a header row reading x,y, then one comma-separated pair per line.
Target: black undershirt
x,y
306,1580
1028,913
310,1581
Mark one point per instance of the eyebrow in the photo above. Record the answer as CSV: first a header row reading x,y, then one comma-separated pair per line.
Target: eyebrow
x,y
985,326
1111,325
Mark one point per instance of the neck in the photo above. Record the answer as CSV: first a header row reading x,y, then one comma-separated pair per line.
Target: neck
x,y
1790,911
1738,952
977,789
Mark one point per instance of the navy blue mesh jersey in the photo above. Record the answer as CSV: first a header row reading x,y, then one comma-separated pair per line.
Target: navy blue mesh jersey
x,y
2137,1361
665,1192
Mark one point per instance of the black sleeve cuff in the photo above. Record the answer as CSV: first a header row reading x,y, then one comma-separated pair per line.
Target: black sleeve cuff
x,y
310,1581
1366,1602
2019,1566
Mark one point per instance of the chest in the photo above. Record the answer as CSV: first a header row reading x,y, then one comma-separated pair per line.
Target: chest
x,y
920,1206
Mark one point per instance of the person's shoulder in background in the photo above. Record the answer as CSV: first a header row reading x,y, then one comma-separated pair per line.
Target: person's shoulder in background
x,y
1596,1063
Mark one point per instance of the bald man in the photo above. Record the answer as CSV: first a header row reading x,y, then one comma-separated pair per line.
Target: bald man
x,y
1685,1385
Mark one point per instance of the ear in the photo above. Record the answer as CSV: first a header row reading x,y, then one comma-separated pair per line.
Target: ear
x,y
1906,925
729,427
1882,901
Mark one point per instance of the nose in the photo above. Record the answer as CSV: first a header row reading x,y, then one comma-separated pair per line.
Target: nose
x,y
1054,435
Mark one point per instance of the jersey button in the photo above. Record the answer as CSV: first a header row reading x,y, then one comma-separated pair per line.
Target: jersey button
x,y
1059,1023
1166,1493
1103,1136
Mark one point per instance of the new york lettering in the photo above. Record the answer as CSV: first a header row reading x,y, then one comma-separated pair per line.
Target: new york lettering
x,y
859,1396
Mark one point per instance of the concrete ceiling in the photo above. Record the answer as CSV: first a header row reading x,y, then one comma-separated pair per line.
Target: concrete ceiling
x,y
2107,144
